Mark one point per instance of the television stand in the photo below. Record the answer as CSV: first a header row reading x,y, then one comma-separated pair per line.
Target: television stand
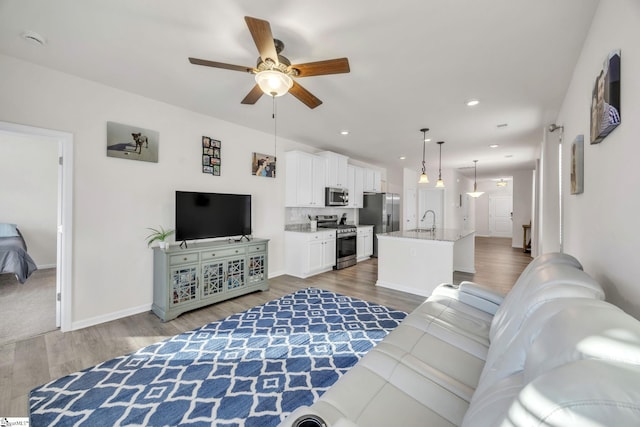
x,y
206,273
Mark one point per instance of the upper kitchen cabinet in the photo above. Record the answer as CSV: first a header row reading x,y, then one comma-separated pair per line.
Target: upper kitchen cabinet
x,y
372,182
355,182
336,167
305,179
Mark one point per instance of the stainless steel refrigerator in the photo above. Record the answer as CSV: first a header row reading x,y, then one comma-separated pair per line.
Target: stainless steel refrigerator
x,y
382,210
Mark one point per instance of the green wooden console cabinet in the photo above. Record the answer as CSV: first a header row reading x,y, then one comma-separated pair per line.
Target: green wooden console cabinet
x,y
205,273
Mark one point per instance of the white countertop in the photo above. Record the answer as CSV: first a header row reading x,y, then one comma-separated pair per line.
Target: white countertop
x,y
440,234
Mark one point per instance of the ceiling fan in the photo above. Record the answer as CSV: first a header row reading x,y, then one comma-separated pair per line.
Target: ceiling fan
x,y
274,73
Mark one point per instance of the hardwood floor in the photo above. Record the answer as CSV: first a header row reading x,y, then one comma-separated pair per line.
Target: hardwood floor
x,y
29,363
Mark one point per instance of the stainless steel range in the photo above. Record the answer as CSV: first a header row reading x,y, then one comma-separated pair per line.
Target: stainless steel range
x,y
346,239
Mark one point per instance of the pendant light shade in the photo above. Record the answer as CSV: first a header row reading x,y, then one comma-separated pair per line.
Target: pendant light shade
x,y
440,182
475,192
424,179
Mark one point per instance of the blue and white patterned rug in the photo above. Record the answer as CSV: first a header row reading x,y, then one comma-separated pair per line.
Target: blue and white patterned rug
x,y
250,369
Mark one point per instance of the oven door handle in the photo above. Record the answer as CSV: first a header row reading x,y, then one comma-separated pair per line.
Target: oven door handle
x,y
343,235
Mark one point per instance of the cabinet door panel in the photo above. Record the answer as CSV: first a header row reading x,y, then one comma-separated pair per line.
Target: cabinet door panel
x,y
184,284
329,253
212,278
256,269
235,274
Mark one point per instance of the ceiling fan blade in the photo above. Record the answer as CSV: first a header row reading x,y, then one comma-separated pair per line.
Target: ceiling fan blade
x,y
306,97
261,32
330,66
215,64
253,96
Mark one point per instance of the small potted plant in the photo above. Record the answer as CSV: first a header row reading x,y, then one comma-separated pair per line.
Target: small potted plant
x,y
160,235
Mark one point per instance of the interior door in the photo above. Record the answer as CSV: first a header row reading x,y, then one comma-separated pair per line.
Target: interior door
x,y
430,199
410,209
500,216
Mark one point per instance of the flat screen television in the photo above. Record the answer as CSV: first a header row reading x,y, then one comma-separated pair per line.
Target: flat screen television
x,y
208,215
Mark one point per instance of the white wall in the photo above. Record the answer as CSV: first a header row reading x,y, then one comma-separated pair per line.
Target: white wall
x,y
116,199
29,192
601,224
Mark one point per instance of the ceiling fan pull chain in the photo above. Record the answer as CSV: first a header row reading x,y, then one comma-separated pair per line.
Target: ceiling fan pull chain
x,y
275,127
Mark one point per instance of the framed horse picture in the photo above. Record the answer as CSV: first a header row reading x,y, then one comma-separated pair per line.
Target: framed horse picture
x,y
605,99
132,142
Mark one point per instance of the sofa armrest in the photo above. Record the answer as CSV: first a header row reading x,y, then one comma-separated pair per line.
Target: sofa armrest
x,y
481,291
472,294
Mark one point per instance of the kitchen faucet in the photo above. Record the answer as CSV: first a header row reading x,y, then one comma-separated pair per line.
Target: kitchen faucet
x,y
433,226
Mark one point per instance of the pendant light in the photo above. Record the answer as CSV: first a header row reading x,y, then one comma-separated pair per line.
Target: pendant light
x,y
501,183
440,182
424,179
475,192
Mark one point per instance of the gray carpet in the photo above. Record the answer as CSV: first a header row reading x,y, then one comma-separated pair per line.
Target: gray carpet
x,y
27,310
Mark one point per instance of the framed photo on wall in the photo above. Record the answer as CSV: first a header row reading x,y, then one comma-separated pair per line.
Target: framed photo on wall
x,y
577,165
263,165
605,99
132,142
211,157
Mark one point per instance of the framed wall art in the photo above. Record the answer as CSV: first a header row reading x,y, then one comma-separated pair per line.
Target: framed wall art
x,y
577,165
211,155
605,99
263,165
132,142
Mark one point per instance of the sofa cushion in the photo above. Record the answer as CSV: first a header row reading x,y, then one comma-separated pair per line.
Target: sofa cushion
x,y
586,393
584,331
547,282
382,391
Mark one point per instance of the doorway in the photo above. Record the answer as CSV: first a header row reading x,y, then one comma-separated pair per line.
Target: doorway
x,y
63,211
500,216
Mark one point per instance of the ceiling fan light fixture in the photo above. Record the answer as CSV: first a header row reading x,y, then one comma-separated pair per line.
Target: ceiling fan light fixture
x,y
274,83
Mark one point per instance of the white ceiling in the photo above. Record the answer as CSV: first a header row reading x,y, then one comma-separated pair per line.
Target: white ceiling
x,y
414,64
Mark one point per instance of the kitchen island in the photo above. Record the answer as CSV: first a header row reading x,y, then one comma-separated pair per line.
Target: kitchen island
x,y
416,261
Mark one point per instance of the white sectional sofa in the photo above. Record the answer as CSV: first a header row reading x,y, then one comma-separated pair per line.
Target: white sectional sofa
x,y
550,353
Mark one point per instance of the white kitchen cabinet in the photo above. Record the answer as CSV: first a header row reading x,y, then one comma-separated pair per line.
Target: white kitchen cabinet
x,y
336,167
364,246
309,253
372,182
355,182
304,179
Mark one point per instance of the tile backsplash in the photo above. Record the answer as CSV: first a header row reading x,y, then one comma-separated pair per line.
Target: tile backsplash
x,y
301,215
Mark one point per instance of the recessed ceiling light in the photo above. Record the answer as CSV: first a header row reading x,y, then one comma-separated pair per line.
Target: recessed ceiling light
x,y
402,157
34,38
427,140
494,146
344,132
472,102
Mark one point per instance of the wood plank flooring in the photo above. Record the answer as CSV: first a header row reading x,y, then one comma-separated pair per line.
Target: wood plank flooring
x,y
29,363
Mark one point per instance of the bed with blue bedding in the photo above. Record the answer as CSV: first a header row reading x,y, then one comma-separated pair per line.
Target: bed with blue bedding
x,y
13,253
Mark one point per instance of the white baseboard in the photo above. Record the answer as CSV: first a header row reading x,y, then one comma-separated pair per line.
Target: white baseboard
x,y
406,289
273,274
46,266
110,316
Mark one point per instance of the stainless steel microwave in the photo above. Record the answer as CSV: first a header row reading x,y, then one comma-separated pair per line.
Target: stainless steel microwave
x,y
336,196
